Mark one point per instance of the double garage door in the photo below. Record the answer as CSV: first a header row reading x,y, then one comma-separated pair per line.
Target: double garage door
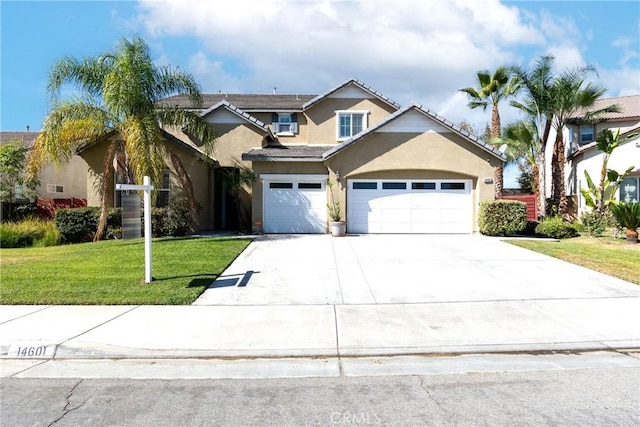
x,y
409,206
298,204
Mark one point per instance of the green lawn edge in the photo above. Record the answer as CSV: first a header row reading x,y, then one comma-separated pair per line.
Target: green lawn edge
x,y
112,272
613,257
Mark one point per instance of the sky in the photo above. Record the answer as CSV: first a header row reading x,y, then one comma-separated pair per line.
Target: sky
x,y
419,51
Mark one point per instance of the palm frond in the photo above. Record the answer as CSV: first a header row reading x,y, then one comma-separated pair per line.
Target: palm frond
x,y
192,123
142,143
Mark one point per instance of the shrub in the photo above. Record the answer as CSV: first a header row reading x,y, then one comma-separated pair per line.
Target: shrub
x,y
502,217
627,214
178,218
77,224
556,228
593,223
27,233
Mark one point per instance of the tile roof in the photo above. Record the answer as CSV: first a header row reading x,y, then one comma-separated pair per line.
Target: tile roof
x,y
432,115
237,111
286,152
358,83
246,102
629,107
27,138
625,137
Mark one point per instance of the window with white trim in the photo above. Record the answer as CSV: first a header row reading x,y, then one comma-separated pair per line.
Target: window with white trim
x,y
630,189
586,134
54,188
285,123
350,123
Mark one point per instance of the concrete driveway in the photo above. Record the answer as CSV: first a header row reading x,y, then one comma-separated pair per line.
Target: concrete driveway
x,y
400,269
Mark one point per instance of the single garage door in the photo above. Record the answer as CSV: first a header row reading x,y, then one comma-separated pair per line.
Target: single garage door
x,y
409,206
295,204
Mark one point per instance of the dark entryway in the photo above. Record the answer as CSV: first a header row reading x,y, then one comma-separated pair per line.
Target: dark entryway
x,y
225,210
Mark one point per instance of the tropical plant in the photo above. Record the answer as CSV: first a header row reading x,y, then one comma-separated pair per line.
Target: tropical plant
x,y
571,96
492,89
536,84
119,105
521,145
628,215
333,205
595,197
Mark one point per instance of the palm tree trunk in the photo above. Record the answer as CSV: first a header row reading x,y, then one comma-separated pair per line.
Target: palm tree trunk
x,y
536,182
105,186
498,173
558,192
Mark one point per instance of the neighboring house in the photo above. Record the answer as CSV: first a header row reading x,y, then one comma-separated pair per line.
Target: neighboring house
x,y
397,170
66,182
583,154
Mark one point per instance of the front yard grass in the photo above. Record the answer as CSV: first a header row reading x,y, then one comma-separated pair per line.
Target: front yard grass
x,y
112,272
614,257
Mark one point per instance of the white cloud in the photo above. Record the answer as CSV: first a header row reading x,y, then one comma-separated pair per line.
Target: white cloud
x,y
410,50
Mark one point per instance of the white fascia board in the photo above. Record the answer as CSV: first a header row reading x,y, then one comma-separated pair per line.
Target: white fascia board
x,y
292,177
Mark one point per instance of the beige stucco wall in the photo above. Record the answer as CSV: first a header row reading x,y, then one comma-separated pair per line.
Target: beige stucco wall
x,y
301,168
72,176
198,171
322,124
415,156
301,137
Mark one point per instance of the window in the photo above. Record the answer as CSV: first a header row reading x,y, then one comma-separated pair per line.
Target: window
x,y
310,186
423,185
280,185
630,189
351,123
285,123
53,188
365,185
394,185
452,186
162,200
586,134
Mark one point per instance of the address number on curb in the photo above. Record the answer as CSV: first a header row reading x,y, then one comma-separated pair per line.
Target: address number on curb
x,y
32,352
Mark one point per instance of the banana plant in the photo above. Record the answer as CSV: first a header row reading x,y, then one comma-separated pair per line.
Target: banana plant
x,y
595,196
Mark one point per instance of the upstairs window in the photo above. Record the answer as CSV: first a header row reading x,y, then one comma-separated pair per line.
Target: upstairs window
x,y
285,123
630,189
350,123
586,135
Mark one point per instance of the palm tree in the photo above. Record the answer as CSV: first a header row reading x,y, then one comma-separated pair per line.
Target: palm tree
x,y
119,104
523,145
536,105
492,89
570,97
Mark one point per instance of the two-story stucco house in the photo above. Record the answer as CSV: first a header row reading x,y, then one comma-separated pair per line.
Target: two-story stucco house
x,y
394,169
583,154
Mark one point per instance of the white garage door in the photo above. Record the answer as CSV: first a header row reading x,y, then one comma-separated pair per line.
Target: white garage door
x,y
409,206
295,204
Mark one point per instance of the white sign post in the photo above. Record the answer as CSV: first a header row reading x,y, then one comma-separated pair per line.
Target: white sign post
x,y
146,188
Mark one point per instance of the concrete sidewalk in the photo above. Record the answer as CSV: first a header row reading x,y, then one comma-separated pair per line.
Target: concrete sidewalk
x,y
314,296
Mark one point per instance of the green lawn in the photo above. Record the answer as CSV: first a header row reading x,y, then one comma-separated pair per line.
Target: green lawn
x,y
112,272
614,257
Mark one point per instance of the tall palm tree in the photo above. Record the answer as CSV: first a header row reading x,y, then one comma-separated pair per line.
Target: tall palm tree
x,y
492,89
570,97
119,98
536,104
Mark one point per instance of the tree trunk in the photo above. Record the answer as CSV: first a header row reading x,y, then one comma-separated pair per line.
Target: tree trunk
x,y
536,182
498,173
542,168
105,186
498,181
558,192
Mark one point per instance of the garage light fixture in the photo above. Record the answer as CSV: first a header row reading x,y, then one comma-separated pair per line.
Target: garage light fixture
x,y
488,180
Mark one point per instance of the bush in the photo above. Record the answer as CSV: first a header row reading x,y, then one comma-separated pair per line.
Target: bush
x,y
502,217
594,223
556,228
178,218
77,225
27,233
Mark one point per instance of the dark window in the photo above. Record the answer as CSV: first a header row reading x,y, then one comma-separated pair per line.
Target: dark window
x,y
452,186
394,185
310,185
423,185
280,185
365,185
